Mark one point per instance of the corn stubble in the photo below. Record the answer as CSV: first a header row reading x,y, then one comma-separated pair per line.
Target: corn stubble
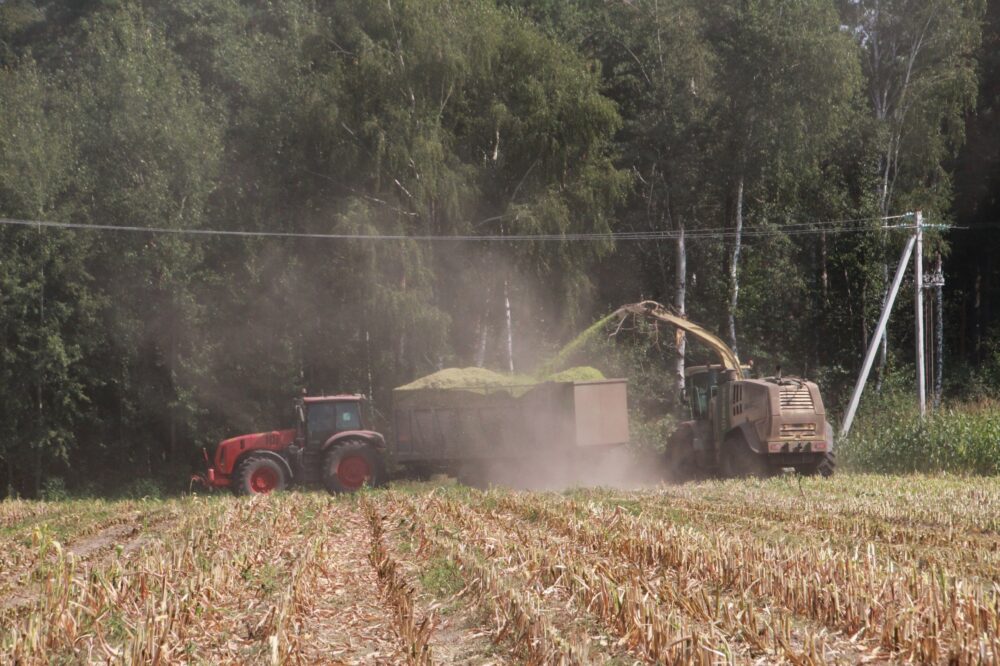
x,y
856,569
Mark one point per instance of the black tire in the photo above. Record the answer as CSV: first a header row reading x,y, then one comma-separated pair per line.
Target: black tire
x,y
419,472
259,475
350,465
473,475
740,461
825,467
679,457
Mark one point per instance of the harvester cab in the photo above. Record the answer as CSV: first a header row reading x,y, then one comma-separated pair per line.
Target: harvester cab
x,y
702,386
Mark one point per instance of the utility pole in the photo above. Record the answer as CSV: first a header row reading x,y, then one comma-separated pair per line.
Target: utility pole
x,y
918,281
876,338
936,281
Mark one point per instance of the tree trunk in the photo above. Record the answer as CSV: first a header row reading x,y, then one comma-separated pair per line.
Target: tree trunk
x,y
9,492
38,472
883,353
484,331
886,167
40,379
172,450
864,317
484,334
977,321
734,283
938,333
824,303
680,296
368,362
824,275
510,328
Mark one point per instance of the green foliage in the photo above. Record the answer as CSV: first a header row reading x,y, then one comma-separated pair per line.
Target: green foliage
x,y
891,437
442,578
54,489
143,489
650,433
124,353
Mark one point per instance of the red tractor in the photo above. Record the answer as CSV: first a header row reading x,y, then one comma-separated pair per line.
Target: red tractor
x,y
329,444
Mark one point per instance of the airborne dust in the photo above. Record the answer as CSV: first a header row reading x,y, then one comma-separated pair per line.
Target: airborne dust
x,y
548,451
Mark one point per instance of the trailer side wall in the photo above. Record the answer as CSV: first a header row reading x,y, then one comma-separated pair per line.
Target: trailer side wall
x,y
441,426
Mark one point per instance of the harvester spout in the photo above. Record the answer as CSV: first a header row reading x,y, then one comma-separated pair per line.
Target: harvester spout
x,y
657,312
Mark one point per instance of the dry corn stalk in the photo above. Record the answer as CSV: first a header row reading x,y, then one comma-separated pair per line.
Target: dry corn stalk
x,y
398,591
899,608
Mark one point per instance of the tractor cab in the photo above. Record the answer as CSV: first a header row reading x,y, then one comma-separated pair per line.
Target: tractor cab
x,y
322,417
333,444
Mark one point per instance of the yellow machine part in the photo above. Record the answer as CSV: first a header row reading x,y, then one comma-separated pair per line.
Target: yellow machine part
x,y
657,312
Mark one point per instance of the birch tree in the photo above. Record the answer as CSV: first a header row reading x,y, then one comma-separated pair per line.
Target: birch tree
x,y
785,75
917,57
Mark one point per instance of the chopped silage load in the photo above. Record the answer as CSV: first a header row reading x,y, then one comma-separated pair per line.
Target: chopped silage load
x,y
581,373
456,378
464,378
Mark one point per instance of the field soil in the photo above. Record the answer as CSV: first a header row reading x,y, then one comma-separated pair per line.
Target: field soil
x,y
855,569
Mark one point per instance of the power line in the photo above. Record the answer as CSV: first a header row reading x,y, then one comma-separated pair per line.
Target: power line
x,y
853,225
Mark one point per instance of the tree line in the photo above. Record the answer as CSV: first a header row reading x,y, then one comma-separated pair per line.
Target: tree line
x,y
769,137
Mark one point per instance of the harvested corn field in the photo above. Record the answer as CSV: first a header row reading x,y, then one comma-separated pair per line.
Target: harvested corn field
x,y
855,569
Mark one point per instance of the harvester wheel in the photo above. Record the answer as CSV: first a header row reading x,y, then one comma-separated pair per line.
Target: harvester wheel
x,y
258,475
679,456
350,465
739,460
826,466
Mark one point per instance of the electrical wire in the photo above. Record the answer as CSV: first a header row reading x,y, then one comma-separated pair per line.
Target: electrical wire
x,y
853,225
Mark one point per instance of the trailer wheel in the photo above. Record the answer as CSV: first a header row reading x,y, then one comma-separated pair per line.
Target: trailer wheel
x,y
350,465
259,476
474,475
826,466
739,460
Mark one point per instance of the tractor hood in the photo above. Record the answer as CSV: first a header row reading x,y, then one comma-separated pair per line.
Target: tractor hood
x,y
230,449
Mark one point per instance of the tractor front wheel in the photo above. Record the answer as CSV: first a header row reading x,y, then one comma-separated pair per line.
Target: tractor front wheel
x,y
258,476
349,466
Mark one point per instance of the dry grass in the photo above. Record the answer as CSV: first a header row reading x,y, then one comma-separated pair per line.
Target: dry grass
x,y
856,569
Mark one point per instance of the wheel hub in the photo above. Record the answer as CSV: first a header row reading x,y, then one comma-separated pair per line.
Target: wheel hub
x,y
353,471
263,480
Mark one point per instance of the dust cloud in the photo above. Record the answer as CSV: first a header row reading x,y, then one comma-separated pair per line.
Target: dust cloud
x,y
618,467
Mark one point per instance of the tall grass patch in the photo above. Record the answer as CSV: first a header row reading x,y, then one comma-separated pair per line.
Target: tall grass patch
x,y
958,437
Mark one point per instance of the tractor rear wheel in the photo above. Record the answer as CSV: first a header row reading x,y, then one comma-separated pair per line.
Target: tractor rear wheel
x,y
825,467
349,466
259,475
